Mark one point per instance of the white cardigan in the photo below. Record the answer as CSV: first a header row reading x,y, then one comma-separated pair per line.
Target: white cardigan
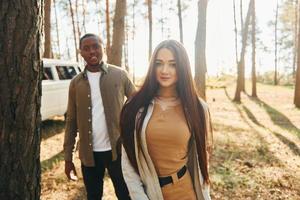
x,y
146,185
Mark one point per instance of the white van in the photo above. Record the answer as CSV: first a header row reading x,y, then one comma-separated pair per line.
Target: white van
x,y
57,75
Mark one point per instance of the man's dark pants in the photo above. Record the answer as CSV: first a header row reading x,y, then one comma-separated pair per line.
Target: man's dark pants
x,y
93,176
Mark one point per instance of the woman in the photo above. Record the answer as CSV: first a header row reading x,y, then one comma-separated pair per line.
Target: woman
x,y
164,130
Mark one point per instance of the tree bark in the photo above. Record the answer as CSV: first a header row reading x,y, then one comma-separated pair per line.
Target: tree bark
x,y
115,55
239,84
149,3
253,21
297,83
276,22
21,27
180,20
107,28
235,33
295,39
47,30
200,45
57,30
74,28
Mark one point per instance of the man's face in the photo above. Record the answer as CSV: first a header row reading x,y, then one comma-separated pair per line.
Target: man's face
x,y
91,51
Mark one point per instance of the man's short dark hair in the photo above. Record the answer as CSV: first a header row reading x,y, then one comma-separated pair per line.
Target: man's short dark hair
x,y
87,36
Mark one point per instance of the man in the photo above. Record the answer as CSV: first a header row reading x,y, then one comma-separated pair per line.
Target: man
x,y
96,96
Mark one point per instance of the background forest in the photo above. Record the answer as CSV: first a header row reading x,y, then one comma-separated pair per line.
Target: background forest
x,y
245,57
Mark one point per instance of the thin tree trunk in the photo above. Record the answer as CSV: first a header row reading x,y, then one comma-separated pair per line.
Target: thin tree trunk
x,y
253,18
74,29
295,38
239,84
297,83
107,28
47,29
115,56
21,27
180,20
276,21
242,64
126,46
241,14
133,39
83,16
77,19
149,3
235,34
98,17
200,45
57,30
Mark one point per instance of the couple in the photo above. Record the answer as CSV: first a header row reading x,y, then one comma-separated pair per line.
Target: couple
x,y
164,127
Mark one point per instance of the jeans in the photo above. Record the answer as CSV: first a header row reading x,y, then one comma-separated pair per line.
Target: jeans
x,y
93,176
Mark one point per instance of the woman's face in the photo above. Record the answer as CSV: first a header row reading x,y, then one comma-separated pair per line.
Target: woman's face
x,y
165,67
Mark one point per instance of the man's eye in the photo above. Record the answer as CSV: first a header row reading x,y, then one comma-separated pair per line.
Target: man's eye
x,y
86,49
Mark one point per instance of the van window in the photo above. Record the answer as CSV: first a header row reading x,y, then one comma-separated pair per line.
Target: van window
x,y
47,75
65,72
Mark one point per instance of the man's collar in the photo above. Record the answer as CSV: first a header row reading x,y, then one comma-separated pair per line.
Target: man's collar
x,y
103,68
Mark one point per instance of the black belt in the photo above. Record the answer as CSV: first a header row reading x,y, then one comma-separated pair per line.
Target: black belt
x,y
168,179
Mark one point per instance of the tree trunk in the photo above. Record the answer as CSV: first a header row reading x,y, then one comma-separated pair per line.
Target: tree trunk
x,y
20,100
200,45
235,34
149,3
74,29
107,28
253,18
180,20
83,16
57,30
239,84
47,30
242,64
276,22
77,19
115,55
297,84
295,38
98,17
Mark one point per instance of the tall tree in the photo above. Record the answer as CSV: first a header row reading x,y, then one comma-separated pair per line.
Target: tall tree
x,y
83,15
115,55
240,67
20,100
295,38
180,20
235,33
74,28
57,30
47,30
108,45
297,84
253,39
200,45
149,5
275,32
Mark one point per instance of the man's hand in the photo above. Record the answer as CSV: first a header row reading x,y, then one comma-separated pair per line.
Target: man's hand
x,y
70,171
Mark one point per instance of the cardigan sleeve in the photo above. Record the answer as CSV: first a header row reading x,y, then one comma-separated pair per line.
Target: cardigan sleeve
x,y
132,179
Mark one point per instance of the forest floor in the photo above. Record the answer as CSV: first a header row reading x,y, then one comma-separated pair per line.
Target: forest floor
x,y
256,149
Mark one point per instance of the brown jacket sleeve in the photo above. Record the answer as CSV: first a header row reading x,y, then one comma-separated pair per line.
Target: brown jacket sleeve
x,y
129,86
71,124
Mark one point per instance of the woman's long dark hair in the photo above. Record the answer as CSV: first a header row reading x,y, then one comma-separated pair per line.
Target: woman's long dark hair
x,y
193,109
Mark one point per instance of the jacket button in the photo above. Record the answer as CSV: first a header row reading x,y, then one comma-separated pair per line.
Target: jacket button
x,y
90,144
90,132
90,120
89,96
89,107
